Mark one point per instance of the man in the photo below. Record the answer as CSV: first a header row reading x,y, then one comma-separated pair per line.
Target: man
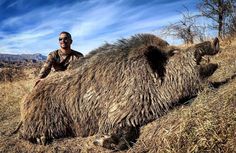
x,y
60,58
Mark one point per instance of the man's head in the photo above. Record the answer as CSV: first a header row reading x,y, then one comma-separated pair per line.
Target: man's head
x,y
65,40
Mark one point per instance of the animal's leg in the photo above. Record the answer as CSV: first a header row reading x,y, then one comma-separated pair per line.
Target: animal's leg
x,y
41,140
121,139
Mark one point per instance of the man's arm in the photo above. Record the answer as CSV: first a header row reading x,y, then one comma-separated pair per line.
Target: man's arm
x,y
46,67
45,70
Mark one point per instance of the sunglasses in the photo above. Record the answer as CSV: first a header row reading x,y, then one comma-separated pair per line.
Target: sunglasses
x,y
66,39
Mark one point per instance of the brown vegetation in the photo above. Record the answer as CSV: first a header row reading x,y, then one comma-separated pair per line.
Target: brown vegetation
x,y
11,74
15,72
207,124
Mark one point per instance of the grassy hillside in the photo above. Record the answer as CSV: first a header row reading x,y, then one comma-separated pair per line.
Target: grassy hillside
x,y
206,124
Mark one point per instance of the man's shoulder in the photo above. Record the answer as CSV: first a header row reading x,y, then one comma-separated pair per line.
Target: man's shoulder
x,y
76,53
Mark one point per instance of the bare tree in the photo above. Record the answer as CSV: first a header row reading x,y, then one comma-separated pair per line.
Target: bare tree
x,y
231,22
231,29
219,11
185,29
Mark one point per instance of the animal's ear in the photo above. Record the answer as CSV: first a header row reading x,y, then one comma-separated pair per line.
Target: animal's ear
x,y
155,55
157,59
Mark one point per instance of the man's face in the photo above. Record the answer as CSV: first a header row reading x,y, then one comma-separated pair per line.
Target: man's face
x,y
64,41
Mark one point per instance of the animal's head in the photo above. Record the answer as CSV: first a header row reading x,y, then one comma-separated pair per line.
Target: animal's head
x,y
158,52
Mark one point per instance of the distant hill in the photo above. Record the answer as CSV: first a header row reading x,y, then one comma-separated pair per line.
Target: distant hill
x,y
22,57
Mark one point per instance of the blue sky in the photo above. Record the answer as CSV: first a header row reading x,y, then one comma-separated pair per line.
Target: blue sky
x,y
32,26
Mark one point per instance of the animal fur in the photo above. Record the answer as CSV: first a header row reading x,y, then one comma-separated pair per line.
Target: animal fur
x,y
114,91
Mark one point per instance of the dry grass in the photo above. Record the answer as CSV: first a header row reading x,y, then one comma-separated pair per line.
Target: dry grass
x,y
10,96
207,124
11,74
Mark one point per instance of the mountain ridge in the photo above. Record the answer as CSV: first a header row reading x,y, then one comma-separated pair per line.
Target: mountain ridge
x,y
22,57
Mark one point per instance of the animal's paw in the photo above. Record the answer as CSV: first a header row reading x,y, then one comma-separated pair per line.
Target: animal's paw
x,y
41,140
111,142
105,141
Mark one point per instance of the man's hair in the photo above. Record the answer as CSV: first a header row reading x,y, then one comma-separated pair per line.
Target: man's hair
x,y
67,34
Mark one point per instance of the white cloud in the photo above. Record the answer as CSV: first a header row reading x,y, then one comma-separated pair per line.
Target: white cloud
x,y
91,23
12,4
